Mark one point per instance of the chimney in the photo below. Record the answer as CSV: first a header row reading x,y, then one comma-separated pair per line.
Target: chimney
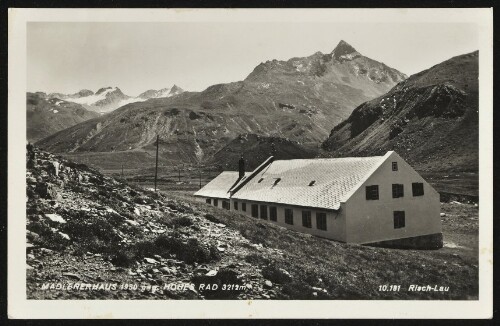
x,y
241,167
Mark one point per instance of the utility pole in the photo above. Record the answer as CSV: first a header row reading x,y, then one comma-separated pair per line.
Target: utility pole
x,y
156,168
122,171
199,168
179,170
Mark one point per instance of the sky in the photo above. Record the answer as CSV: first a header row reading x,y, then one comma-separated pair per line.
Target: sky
x,y
67,57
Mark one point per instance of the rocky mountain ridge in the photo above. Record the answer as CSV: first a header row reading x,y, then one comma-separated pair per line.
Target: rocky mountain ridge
x,y
430,119
299,99
107,99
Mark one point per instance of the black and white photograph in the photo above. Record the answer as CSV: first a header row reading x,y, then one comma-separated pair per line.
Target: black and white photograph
x,y
253,156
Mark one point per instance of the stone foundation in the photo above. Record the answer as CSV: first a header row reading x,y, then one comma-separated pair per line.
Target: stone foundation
x,y
427,242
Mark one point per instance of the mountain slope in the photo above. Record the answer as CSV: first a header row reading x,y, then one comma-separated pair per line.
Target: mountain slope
x,y
430,119
298,99
46,116
256,149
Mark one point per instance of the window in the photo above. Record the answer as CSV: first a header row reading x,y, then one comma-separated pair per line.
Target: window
x,y
208,201
226,205
255,210
289,216
235,204
417,189
397,190
321,221
244,207
273,213
263,212
306,219
399,219
372,192
216,202
394,166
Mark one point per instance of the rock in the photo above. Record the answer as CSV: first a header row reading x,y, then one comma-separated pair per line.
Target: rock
x,y
54,168
31,256
72,275
165,270
64,235
134,223
203,270
221,249
46,251
47,190
249,286
268,284
55,218
28,267
211,273
442,214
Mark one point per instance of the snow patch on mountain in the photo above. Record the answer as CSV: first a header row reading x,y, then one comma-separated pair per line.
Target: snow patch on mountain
x,y
94,98
164,92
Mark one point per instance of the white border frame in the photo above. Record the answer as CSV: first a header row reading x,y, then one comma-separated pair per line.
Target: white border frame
x,y
20,307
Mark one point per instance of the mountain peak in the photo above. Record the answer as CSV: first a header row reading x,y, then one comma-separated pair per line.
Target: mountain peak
x,y
344,50
176,89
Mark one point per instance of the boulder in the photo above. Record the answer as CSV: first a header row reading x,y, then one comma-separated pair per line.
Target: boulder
x,y
55,218
48,191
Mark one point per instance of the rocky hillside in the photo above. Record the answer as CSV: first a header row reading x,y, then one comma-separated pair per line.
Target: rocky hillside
x,y
46,116
430,119
95,237
299,99
256,149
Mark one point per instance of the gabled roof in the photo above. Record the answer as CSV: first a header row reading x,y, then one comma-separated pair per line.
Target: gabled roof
x,y
322,183
220,185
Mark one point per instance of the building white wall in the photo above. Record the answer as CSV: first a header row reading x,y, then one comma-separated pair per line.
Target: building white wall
x,y
335,221
372,220
219,200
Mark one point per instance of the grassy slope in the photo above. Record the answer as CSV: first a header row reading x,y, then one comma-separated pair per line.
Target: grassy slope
x,y
354,272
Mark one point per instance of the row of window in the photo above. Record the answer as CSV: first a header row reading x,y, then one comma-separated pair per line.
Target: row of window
x,y
417,188
399,216
273,216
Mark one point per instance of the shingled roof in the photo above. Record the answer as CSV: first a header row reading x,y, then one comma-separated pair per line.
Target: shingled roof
x,y
321,183
219,187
